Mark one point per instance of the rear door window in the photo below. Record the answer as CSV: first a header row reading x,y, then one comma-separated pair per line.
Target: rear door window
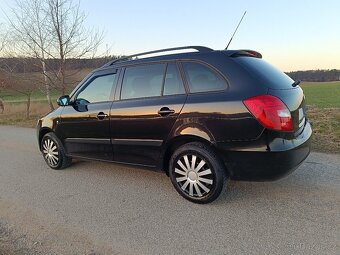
x,y
202,78
173,84
143,81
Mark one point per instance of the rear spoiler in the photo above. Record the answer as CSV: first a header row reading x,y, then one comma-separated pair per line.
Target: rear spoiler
x,y
240,53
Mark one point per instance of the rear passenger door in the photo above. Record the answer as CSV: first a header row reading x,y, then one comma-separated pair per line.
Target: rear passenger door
x,y
150,99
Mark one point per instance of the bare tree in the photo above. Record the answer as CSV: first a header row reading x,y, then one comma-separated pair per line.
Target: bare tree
x,y
3,37
52,29
2,106
31,34
72,39
22,83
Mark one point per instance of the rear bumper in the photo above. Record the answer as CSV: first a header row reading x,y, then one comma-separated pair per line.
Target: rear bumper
x,y
267,159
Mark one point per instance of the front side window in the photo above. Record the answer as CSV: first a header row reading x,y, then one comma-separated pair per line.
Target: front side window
x,y
98,90
201,78
143,81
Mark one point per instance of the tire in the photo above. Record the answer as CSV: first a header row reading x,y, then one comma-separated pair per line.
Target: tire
x,y
54,153
204,181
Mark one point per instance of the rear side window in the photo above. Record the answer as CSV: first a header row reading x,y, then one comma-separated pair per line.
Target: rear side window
x,y
270,75
143,81
173,84
202,79
98,90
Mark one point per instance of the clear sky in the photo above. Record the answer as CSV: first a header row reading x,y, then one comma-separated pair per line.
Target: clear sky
x,y
293,35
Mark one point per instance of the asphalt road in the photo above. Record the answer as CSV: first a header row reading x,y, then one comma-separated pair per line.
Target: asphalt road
x,y
99,208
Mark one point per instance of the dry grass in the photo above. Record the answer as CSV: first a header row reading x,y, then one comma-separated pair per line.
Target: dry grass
x,y
326,129
14,114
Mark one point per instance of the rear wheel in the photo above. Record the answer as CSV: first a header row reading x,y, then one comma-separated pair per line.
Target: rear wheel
x,y
196,173
54,152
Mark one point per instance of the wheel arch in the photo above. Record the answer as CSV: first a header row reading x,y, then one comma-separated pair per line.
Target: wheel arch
x,y
43,131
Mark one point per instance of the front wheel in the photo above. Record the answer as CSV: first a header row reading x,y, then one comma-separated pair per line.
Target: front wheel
x,y
54,152
196,173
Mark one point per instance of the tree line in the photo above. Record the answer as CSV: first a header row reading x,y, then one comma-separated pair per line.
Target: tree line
x,y
17,65
31,65
316,75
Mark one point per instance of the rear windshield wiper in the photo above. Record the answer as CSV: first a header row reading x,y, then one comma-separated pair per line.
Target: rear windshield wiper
x,y
295,83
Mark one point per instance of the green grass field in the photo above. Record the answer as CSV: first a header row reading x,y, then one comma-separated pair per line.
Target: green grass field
x,y
323,110
322,98
322,94
37,95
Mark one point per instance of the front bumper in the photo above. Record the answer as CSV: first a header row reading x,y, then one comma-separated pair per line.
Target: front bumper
x,y
268,158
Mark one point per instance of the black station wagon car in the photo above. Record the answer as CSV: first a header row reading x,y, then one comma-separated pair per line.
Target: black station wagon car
x,y
201,117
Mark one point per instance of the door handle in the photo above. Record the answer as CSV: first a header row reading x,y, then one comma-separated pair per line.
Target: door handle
x,y
164,111
101,116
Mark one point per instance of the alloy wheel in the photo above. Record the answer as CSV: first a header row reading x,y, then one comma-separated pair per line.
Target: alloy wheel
x,y
50,151
194,175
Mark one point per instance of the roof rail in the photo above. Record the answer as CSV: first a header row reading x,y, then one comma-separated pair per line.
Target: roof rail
x,y
198,48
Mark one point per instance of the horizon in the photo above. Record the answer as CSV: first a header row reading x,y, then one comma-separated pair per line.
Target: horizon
x,y
293,36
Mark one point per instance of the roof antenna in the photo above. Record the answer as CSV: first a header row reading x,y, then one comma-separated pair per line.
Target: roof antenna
x,y
235,30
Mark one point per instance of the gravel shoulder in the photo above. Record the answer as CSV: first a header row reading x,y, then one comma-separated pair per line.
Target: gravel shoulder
x,y
98,208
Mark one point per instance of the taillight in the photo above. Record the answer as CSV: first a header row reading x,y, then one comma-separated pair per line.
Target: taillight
x,y
271,112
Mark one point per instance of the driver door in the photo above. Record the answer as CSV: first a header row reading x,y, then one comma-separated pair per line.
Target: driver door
x,y
84,124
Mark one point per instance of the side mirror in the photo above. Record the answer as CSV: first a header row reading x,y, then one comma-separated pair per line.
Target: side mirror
x,y
63,100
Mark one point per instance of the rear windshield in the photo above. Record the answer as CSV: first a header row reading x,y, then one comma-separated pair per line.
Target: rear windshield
x,y
270,75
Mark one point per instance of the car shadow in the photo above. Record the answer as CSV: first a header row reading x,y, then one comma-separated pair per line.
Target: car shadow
x,y
302,182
